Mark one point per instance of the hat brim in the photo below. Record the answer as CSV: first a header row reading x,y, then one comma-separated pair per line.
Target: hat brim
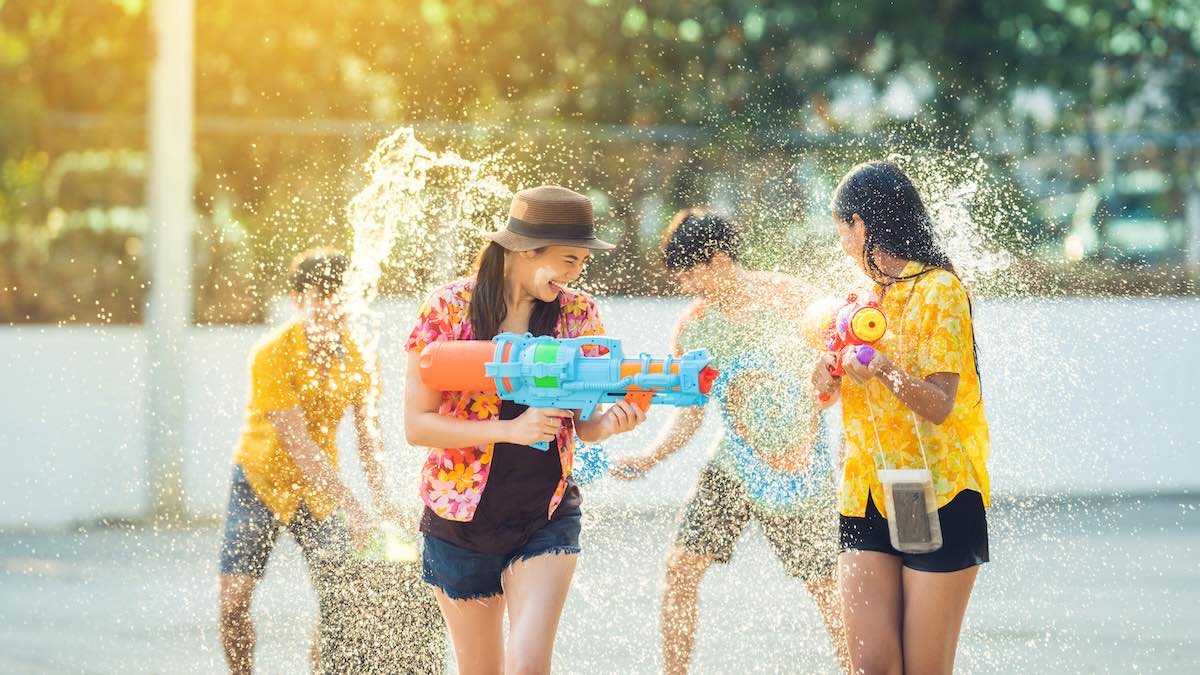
x,y
519,242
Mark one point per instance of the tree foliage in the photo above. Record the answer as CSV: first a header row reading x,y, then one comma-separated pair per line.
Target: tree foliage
x,y
727,73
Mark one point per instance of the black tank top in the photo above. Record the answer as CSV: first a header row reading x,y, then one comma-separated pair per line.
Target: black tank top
x,y
515,500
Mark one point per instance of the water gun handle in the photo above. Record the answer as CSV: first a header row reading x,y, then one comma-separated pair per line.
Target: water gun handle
x,y
641,399
836,347
864,353
836,369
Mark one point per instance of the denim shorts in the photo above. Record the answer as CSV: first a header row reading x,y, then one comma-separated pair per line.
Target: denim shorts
x,y
251,530
463,574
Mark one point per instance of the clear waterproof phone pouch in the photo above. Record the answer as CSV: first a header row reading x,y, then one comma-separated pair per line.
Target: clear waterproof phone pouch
x,y
913,523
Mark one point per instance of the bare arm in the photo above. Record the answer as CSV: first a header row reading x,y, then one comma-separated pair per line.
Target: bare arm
x,y
683,424
314,466
681,429
370,447
588,430
932,398
425,427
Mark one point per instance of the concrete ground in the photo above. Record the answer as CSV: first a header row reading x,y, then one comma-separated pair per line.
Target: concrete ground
x,y
1079,585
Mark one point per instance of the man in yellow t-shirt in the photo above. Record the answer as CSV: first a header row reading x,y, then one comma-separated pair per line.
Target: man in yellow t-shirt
x,y
303,376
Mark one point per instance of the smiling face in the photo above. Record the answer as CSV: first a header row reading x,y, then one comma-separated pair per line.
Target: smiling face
x,y
543,273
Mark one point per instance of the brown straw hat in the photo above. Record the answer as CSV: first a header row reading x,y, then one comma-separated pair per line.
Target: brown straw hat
x,y
549,216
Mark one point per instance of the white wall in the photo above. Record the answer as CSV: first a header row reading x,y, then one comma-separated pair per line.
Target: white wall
x,y
1083,395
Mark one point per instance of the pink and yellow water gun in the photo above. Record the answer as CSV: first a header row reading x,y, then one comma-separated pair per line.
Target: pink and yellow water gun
x,y
856,324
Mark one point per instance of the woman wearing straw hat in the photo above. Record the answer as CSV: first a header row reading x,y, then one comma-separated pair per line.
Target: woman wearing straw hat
x,y
502,519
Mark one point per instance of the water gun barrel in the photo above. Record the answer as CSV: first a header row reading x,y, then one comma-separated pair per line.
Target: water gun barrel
x,y
461,365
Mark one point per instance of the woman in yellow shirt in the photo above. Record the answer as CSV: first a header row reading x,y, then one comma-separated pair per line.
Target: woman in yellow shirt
x,y
917,402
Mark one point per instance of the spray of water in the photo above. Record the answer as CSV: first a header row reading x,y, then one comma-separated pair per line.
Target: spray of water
x,y
967,204
421,213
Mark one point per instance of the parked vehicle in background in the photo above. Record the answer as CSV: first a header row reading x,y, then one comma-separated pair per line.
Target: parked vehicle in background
x,y
1136,218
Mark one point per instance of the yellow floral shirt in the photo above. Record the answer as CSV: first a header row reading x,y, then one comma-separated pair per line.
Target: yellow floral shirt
x,y
929,331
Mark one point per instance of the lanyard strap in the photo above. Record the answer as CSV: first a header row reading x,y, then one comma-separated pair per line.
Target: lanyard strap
x,y
880,455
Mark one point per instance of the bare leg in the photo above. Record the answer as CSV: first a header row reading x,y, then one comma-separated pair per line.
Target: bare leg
x,y
314,649
680,601
825,592
235,626
872,604
536,590
934,606
477,631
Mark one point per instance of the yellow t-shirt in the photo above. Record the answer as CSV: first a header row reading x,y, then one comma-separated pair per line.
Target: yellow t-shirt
x,y
283,376
929,331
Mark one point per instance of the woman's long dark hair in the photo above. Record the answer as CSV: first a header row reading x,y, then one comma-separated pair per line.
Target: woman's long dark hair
x,y
895,221
895,218
489,306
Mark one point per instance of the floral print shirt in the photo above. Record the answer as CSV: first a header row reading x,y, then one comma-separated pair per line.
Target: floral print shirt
x,y
929,331
453,479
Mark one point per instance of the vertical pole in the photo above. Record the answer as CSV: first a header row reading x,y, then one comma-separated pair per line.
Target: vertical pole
x,y
1191,212
1191,204
171,221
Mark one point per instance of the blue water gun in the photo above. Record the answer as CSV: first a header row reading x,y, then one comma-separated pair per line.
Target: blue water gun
x,y
568,373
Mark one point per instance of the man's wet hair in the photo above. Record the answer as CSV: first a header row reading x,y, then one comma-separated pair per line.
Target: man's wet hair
x,y
319,269
695,236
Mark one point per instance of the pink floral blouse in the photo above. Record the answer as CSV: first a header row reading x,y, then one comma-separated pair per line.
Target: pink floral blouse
x,y
453,479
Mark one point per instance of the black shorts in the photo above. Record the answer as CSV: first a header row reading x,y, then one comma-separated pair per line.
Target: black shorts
x,y
964,535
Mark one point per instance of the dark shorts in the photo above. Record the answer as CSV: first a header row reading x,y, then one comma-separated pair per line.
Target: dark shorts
x,y
805,540
964,535
463,574
251,530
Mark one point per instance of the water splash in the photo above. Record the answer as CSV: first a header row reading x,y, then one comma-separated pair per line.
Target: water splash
x,y
969,205
421,213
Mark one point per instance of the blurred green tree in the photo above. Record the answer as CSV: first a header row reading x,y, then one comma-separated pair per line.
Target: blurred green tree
x,y
282,88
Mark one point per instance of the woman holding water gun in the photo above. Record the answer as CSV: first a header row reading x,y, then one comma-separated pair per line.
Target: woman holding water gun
x,y
912,404
502,519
